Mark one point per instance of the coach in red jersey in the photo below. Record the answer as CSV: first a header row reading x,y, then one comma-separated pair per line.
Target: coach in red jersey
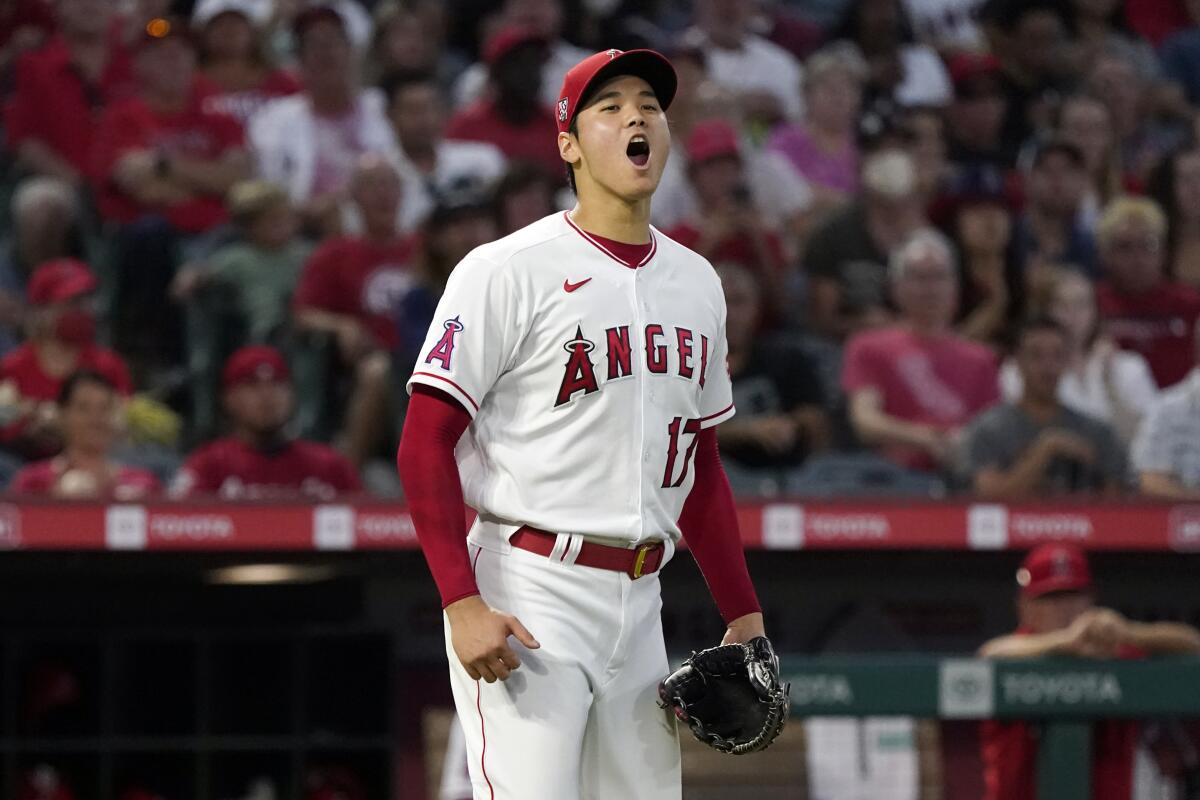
x,y
259,461
1058,616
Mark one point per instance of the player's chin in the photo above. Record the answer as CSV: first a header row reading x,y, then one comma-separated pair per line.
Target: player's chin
x,y
641,183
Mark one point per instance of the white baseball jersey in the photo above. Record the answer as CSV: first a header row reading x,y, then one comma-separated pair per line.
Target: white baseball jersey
x,y
588,380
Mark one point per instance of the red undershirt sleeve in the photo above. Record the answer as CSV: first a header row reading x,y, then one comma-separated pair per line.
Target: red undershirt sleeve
x,y
434,424
710,527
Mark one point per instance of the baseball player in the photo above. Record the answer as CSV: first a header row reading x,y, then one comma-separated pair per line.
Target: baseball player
x,y
584,358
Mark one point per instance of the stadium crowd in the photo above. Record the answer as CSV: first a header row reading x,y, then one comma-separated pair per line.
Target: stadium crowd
x,y
959,239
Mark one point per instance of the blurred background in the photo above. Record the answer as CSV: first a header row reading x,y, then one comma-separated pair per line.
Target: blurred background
x,y
960,246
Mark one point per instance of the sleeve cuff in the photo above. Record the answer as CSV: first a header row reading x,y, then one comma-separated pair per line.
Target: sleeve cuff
x,y
446,385
717,418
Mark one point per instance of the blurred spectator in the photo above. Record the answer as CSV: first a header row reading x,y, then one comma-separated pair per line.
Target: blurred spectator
x,y
262,267
309,143
901,70
1180,54
1108,384
948,26
233,56
61,89
1034,446
1144,310
911,386
349,289
523,196
846,256
162,153
1175,185
1142,138
409,37
1097,26
929,150
975,117
728,227
781,195
1050,230
764,76
512,115
417,112
461,221
61,326
1029,37
1057,615
163,166
259,461
542,18
1166,452
979,221
823,148
89,410
24,25
777,392
1083,121
46,225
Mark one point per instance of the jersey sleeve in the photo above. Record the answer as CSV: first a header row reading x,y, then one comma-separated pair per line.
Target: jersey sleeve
x,y
474,334
716,396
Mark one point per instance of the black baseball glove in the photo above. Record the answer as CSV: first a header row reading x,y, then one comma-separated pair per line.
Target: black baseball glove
x,y
730,696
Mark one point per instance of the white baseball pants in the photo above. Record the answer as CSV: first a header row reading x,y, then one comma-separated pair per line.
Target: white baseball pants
x,y
579,720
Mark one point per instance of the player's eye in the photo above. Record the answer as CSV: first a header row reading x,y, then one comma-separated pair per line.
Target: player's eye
x,y
609,108
650,107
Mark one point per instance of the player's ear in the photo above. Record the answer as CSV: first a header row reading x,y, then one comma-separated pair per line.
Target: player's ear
x,y
568,148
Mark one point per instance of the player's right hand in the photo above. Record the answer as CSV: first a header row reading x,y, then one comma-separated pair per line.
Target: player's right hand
x,y
479,635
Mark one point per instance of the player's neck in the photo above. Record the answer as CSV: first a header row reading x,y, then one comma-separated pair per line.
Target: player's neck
x,y
614,218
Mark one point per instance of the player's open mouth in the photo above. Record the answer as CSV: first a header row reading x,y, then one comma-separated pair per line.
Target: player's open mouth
x,y
638,150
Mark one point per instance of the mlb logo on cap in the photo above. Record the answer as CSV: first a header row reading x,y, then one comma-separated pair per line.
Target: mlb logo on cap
x,y
562,110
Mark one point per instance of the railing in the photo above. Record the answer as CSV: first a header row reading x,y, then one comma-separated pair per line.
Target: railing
x,y
783,525
1065,694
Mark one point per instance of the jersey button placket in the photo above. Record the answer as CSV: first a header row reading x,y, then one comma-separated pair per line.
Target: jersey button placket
x,y
641,309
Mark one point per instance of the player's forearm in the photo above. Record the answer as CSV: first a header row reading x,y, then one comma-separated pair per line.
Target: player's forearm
x,y
1164,638
709,524
1032,646
429,474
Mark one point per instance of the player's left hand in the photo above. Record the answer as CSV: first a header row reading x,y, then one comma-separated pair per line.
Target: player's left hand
x,y
744,628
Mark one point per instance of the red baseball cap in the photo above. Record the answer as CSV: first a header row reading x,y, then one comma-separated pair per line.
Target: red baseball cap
x,y
255,363
649,65
60,280
1054,568
505,40
712,138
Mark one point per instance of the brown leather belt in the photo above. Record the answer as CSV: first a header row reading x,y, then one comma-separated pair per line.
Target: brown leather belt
x,y
642,560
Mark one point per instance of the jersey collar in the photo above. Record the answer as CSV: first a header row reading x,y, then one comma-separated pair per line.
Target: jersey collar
x,y
604,249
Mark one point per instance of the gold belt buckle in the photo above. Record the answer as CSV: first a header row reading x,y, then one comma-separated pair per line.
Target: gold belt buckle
x,y
639,562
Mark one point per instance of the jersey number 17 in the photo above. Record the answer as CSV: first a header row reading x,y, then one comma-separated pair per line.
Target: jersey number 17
x,y
680,427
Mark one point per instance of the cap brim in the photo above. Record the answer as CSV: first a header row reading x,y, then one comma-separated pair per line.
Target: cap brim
x,y
76,287
650,66
1066,584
